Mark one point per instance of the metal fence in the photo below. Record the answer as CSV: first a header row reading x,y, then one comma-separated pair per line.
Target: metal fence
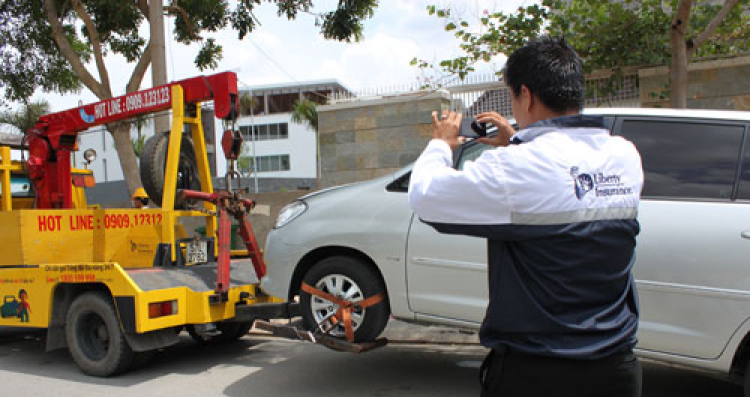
x,y
483,93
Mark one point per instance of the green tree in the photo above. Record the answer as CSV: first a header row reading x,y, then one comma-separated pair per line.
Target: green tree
x,y
247,104
138,143
46,44
25,116
608,35
139,140
306,112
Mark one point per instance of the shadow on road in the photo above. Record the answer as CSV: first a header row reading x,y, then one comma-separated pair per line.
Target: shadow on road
x,y
23,351
392,371
263,366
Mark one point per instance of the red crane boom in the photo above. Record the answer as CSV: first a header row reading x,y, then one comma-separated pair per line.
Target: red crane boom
x,y
54,136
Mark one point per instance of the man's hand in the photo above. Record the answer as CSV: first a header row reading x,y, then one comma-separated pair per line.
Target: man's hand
x,y
446,128
504,130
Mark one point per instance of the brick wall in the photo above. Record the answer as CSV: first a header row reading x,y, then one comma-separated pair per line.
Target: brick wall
x,y
361,140
718,84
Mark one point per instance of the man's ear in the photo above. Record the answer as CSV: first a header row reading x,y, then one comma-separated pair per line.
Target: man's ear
x,y
527,98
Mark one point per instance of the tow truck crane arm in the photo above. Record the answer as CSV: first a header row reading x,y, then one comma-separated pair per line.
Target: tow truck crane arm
x,y
54,136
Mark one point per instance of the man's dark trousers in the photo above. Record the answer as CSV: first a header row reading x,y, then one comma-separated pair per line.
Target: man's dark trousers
x,y
514,374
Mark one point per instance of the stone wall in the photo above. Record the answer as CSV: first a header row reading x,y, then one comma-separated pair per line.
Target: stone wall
x,y
717,84
364,139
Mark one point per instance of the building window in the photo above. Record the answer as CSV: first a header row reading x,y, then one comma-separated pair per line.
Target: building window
x,y
282,103
266,132
272,163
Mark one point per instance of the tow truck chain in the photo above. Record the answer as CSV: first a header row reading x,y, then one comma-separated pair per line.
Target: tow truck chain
x,y
202,210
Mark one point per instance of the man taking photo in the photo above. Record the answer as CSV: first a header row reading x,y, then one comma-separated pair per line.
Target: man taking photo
x,y
557,202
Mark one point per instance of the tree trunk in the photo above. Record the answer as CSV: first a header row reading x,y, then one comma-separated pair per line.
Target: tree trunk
x,y
158,57
129,163
678,76
678,72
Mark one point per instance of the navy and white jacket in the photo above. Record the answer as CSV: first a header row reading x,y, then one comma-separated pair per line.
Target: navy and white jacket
x,y
558,211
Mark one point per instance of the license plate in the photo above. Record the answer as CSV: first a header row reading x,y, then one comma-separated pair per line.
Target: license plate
x,y
197,251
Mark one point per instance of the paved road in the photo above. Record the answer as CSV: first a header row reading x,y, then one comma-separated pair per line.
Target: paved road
x,y
269,367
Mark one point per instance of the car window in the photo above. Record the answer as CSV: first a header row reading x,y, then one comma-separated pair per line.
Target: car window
x,y
467,152
744,191
686,159
471,152
401,184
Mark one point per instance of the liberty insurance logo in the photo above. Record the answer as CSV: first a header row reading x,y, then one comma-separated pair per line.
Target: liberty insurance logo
x,y
603,185
584,183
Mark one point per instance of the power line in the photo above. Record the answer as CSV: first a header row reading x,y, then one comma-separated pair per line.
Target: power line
x,y
281,68
272,60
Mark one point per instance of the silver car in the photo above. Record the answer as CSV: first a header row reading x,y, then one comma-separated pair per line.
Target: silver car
x,y
693,254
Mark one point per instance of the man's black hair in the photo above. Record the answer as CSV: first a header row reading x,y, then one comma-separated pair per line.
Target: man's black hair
x,y
551,70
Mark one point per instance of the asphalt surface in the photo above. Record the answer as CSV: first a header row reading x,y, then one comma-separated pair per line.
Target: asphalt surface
x,y
261,366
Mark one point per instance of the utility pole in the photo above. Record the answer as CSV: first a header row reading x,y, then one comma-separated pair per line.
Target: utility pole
x,y
158,56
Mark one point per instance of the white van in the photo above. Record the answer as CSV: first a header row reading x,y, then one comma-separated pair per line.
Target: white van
x,y
692,259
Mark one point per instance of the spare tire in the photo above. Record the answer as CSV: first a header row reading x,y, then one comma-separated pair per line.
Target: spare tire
x,y
153,164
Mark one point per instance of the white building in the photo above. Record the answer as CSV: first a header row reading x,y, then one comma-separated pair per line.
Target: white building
x,y
284,152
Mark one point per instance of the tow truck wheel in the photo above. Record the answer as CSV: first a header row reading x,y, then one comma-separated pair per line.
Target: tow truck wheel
x,y
94,337
353,280
153,164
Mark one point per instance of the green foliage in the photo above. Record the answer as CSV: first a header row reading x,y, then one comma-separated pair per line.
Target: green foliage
x,y
731,37
306,112
607,34
247,104
245,164
209,55
32,59
345,22
495,33
24,118
138,143
117,24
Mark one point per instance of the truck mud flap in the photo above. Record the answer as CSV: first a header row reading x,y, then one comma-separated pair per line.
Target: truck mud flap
x,y
294,333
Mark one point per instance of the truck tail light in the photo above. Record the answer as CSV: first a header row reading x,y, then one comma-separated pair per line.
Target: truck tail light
x,y
84,181
161,309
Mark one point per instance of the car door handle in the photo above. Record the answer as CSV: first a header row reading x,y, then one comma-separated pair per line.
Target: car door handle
x,y
745,234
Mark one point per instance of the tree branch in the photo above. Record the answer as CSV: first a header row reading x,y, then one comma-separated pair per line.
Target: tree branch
x,y
185,17
711,28
143,6
681,20
97,43
140,69
67,51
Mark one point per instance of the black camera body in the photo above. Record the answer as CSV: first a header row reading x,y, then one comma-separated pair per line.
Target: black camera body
x,y
471,128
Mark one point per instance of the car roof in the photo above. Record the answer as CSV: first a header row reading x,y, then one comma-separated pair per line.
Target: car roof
x,y
683,113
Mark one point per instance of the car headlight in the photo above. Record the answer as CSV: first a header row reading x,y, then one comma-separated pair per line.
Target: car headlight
x,y
290,213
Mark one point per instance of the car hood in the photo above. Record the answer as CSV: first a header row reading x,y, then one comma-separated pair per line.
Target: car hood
x,y
327,192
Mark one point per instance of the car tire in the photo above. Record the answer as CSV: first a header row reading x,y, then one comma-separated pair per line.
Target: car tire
x,y
94,336
153,165
339,275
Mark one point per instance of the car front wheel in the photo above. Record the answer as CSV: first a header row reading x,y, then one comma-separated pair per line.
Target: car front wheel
x,y
350,279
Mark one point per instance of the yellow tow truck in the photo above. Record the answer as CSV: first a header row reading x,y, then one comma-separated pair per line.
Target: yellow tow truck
x,y
113,285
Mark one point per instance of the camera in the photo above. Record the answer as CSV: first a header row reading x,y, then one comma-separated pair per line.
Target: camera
x,y
471,128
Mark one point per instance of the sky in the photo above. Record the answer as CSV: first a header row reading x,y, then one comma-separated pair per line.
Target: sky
x,y
282,51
